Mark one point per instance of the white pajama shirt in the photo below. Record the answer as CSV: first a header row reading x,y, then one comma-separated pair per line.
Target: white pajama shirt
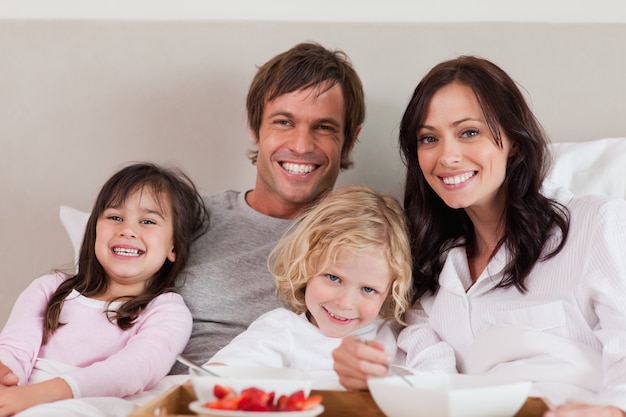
x,y
567,333
284,339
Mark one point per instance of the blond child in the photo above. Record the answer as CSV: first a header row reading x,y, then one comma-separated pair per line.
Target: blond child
x,y
343,269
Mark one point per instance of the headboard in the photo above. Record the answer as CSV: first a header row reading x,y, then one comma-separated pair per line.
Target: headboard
x,y
81,98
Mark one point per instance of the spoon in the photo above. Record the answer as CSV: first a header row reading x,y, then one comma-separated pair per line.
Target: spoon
x,y
186,361
401,372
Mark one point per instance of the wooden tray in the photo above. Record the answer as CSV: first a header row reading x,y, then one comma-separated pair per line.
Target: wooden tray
x,y
173,403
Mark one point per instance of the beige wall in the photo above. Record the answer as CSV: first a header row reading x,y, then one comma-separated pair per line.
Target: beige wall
x,y
80,98
553,11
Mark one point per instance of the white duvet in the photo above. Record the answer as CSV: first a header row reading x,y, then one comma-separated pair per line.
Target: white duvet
x,y
92,406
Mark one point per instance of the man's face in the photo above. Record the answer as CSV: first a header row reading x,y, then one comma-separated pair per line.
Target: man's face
x,y
300,141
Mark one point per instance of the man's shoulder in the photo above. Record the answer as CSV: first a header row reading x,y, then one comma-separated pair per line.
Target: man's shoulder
x,y
227,198
225,205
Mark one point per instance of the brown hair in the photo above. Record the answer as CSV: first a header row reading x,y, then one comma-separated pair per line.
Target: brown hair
x,y
308,65
189,217
530,217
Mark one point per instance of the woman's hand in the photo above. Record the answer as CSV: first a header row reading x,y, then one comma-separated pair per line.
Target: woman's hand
x,y
7,377
573,409
356,360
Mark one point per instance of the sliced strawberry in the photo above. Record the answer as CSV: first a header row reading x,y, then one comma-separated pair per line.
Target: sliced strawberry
x,y
221,391
226,403
270,399
311,402
281,403
295,401
255,399
253,406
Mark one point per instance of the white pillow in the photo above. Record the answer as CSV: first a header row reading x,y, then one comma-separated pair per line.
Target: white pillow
x,y
75,222
591,167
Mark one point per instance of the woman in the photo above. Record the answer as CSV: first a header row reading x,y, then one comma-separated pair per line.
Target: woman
x,y
506,274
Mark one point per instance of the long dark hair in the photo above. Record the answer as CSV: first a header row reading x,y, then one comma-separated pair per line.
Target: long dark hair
x,y
189,217
530,217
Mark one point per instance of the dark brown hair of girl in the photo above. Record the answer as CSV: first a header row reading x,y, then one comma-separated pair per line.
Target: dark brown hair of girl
x,y
189,217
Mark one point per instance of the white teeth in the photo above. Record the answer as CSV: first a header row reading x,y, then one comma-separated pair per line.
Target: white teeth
x,y
126,252
457,179
298,168
337,317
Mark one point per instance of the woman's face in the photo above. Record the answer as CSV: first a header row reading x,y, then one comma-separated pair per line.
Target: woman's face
x,y
458,154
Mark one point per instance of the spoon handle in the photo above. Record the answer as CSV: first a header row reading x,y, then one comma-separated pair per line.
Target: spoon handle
x,y
401,372
186,361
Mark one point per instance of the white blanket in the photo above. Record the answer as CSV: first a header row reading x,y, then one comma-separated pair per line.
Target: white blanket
x,y
92,406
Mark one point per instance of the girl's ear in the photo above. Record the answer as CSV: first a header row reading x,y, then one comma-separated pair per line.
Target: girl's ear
x,y
172,255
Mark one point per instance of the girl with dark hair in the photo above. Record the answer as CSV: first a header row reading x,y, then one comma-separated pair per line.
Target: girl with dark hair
x,y
511,278
115,327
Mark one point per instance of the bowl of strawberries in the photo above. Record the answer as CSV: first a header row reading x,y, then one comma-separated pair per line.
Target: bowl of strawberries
x,y
248,390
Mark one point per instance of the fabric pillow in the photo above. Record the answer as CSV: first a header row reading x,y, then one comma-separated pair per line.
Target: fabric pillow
x,y
591,167
74,222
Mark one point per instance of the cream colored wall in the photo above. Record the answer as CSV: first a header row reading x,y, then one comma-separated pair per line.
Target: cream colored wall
x,y
78,99
553,11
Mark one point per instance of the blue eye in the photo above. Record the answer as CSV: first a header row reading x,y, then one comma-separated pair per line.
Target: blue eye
x,y
470,133
426,139
369,290
332,278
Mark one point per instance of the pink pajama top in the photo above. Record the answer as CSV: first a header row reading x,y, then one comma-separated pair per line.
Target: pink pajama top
x,y
93,355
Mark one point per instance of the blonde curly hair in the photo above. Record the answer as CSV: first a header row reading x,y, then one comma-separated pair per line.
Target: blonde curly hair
x,y
355,218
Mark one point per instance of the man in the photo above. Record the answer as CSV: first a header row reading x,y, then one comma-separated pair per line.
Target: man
x,y
305,111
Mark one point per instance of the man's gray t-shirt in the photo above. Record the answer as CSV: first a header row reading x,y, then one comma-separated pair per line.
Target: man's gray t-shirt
x,y
226,283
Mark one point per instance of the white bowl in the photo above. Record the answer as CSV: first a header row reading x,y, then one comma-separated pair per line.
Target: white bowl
x,y
279,380
441,395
